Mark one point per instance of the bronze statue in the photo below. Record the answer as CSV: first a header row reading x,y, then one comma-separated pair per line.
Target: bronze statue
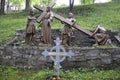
x,y
66,32
30,28
101,37
58,17
46,26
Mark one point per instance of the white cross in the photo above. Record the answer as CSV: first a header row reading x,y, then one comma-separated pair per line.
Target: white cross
x,y
57,54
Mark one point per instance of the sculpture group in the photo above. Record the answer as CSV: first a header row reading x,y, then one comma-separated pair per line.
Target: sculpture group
x,y
45,19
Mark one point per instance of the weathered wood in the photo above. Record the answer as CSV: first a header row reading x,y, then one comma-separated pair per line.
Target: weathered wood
x,y
62,19
41,17
39,8
55,15
72,24
66,21
51,4
43,10
83,30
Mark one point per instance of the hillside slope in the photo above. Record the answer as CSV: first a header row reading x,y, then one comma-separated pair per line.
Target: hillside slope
x,y
88,16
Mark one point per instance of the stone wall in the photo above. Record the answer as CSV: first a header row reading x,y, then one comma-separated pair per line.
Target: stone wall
x,y
31,57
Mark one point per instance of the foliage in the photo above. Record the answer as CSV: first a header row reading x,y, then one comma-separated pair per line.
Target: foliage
x,y
17,2
12,73
39,2
116,0
43,3
86,2
9,23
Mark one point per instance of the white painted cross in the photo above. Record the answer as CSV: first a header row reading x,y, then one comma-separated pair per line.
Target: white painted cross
x,y
57,54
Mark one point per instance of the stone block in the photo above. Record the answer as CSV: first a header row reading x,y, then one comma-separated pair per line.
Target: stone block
x,y
92,54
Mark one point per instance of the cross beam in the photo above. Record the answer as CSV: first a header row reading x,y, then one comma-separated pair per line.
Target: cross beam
x,y
58,56
66,21
55,15
44,12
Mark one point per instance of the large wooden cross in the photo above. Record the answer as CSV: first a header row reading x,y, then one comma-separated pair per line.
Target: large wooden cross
x,y
61,19
44,11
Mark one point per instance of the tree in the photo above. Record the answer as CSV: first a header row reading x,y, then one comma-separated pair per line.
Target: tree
x,y
93,1
71,3
8,5
2,6
27,5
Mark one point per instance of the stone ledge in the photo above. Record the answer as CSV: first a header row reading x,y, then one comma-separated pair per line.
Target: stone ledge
x,y
31,57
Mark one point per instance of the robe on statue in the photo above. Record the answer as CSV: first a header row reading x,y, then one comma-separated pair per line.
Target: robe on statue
x,y
46,28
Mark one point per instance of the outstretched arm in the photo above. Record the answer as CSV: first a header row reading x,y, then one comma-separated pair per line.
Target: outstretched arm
x,y
96,30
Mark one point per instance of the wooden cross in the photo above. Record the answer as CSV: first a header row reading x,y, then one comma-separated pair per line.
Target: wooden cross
x,y
44,11
61,19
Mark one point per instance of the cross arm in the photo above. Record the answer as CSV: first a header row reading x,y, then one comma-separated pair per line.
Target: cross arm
x,y
55,15
51,4
39,8
41,17
62,19
43,10
66,21
72,24
83,30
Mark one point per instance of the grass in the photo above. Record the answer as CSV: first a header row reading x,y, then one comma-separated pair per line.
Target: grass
x,y
88,17
9,23
12,73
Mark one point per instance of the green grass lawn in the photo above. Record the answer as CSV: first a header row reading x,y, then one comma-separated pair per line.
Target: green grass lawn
x,y
11,73
9,23
88,16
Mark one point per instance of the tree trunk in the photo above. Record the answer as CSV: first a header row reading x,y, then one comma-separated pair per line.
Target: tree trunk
x,y
27,7
83,2
8,6
2,6
93,1
71,3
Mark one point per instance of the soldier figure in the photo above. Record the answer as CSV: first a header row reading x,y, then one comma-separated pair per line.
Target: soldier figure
x,y
66,32
30,28
46,27
101,37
